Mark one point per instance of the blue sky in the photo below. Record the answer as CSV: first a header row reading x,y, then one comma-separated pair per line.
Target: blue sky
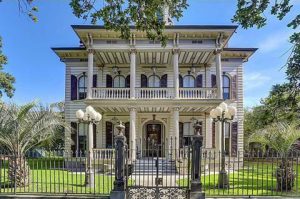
x,y
40,74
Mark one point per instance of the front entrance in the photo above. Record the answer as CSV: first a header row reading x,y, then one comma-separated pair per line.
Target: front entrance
x,y
154,144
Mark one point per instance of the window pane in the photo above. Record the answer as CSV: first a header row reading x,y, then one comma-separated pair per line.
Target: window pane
x,y
154,81
82,130
188,81
226,81
119,81
225,93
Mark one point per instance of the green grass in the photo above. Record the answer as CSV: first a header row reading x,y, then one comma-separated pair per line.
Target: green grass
x,y
256,178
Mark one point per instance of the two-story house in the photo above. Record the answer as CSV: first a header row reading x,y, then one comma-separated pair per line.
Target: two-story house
x,y
157,92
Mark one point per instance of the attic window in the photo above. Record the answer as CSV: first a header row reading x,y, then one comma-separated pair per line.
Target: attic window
x,y
111,41
197,41
224,59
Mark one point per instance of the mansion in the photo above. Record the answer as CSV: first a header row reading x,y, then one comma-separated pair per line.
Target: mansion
x,y
157,92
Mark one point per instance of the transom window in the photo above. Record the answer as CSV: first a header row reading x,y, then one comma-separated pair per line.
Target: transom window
x,y
119,81
153,81
188,81
226,87
82,88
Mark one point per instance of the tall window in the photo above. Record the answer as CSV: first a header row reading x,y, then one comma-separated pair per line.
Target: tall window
x,y
226,87
188,81
119,81
227,138
82,88
153,81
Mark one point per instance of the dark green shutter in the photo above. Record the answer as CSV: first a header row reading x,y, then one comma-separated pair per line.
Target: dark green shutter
x,y
234,138
74,137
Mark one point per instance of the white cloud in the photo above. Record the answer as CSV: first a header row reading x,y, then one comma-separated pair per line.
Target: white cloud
x,y
255,80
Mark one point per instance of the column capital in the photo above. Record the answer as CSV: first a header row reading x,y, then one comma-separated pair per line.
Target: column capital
x,y
176,108
175,51
217,51
132,108
90,50
133,50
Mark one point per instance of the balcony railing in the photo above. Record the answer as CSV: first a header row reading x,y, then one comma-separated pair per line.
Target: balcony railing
x,y
197,93
154,93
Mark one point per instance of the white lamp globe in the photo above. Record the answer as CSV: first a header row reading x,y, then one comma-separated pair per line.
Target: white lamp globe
x,y
232,110
98,117
85,117
89,109
227,115
79,114
218,111
223,106
213,113
93,115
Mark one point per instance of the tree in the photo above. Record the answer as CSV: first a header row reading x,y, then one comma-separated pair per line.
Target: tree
x,y
22,128
252,13
118,15
281,138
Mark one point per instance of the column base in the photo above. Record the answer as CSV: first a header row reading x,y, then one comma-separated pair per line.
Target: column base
x,y
118,194
223,180
89,179
197,195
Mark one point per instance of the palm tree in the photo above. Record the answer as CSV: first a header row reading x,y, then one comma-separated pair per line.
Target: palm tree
x,y
281,138
23,128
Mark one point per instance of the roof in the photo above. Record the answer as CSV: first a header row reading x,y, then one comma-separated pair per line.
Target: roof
x,y
200,27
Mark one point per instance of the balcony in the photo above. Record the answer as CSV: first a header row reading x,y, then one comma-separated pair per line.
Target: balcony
x,y
154,93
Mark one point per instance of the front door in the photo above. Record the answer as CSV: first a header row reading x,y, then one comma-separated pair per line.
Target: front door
x,y
153,140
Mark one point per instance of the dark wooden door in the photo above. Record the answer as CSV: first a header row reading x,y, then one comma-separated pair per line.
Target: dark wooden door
x,y
153,140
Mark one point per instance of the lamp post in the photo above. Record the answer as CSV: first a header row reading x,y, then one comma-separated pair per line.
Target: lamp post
x,y
223,113
90,117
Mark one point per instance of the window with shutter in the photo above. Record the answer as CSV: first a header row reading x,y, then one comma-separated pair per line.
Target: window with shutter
x,y
234,138
213,134
95,81
74,138
226,87
144,81
94,135
153,81
164,81
73,87
127,132
109,82
181,138
188,81
119,81
82,86
234,88
199,81
109,134
127,81
180,81
213,79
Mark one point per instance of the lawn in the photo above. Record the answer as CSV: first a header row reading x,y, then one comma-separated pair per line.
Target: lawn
x,y
255,179
56,181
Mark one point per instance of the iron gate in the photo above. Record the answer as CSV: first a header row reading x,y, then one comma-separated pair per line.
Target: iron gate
x,y
159,173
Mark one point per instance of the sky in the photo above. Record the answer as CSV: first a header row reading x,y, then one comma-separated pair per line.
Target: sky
x,y
40,74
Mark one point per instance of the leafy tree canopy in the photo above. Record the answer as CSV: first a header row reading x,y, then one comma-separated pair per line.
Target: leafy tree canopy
x,y
118,15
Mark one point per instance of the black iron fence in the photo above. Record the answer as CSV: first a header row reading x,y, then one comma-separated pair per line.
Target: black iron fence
x,y
58,172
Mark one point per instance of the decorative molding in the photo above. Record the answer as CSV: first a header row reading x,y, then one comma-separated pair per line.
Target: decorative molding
x,y
176,108
217,51
133,50
143,120
175,51
90,50
165,120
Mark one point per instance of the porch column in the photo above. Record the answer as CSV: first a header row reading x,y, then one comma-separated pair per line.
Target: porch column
x,y
90,73
132,133
132,72
208,132
219,74
175,144
176,73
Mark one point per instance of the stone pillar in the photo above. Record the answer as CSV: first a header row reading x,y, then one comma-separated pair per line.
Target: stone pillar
x,y
176,128
176,73
208,132
118,191
89,180
132,141
132,73
90,73
196,185
219,74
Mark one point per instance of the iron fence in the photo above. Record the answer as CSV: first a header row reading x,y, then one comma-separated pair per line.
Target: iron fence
x,y
59,172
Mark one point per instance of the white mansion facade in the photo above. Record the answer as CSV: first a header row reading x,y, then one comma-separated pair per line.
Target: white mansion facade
x,y
157,92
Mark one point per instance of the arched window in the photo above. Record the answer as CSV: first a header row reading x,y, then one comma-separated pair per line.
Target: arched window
x,y
119,81
188,81
153,81
82,86
226,87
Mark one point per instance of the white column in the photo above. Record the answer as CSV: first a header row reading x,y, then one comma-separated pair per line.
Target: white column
x,y
208,132
176,73
219,74
90,73
132,73
132,133
176,129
